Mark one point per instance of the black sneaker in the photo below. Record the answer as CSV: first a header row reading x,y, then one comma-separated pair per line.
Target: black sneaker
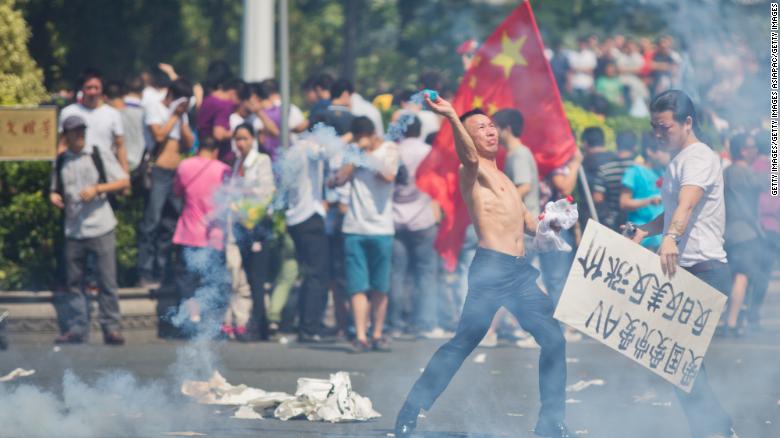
x,y
69,338
381,345
406,421
358,346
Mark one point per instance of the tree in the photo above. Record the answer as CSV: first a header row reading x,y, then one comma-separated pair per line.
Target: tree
x,y
20,78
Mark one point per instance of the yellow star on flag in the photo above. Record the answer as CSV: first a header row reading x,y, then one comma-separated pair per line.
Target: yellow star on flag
x,y
492,108
510,54
478,102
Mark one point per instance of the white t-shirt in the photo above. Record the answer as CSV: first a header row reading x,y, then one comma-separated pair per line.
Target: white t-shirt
x,y
583,59
697,165
159,114
302,176
429,123
151,95
371,198
412,208
103,123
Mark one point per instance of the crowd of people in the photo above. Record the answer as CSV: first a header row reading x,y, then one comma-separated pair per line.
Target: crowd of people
x,y
255,239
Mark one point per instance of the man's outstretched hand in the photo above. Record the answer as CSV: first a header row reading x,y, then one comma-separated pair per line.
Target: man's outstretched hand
x,y
440,106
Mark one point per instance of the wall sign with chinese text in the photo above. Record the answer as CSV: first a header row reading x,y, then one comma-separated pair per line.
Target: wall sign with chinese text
x,y
28,133
617,294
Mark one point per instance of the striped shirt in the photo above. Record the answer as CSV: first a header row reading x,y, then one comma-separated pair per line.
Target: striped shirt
x,y
605,171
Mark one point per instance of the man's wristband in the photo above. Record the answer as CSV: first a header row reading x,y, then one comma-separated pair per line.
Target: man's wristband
x,y
676,237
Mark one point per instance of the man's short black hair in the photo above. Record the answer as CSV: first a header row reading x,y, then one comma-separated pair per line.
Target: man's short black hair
x,y
593,137
649,143
217,73
256,88
270,86
239,86
90,73
114,89
180,88
158,78
135,84
626,141
737,144
473,112
414,127
317,80
679,103
361,127
340,86
208,143
510,118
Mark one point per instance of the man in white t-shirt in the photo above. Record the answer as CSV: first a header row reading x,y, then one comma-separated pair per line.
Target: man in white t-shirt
x,y
368,229
104,123
168,126
415,216
693,224
583,63
302,182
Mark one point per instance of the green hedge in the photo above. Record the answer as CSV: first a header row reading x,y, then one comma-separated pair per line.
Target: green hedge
x,y
31,235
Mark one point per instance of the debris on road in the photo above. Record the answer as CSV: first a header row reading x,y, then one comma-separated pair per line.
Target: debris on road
x,y
15,374
329,400
247,413
573,401
582,384
480,358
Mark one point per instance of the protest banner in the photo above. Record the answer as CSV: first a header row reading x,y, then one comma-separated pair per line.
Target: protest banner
x,y
28,133
617,294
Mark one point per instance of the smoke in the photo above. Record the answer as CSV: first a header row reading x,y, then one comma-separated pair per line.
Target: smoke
x,y
723,46
117,404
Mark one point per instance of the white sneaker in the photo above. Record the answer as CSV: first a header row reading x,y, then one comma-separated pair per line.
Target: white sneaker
x,y
437,333
520,334
528,342
572,336
490,340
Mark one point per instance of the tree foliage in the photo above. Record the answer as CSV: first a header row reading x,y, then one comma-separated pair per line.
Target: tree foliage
x,y
20,78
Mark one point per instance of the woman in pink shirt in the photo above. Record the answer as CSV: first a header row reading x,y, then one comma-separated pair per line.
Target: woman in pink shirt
x,y
201,278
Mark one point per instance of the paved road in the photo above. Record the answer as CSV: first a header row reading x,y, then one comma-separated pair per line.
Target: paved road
x,y
497,398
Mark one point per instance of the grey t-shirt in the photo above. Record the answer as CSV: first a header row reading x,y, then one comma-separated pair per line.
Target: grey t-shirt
x,y
742,188
84,220
520,167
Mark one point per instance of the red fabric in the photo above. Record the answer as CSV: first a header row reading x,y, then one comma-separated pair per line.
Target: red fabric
x,y
529,88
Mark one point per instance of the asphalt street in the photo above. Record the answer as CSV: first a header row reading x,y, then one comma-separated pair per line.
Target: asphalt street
x,y
494,398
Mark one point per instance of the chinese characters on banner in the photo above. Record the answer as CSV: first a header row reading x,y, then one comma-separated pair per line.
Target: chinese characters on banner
x,y
617,294
28,133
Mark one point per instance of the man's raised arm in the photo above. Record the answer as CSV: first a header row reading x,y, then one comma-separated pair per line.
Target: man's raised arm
x,y
464,145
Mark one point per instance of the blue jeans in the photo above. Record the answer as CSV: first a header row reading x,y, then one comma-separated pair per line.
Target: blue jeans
x,y
414,249
497,279
555,266
156,230
705,414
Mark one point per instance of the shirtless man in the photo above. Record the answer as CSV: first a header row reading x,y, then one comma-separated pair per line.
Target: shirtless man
x,y
500,275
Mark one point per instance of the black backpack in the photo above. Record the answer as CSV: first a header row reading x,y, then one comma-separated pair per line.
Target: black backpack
x,y
97,161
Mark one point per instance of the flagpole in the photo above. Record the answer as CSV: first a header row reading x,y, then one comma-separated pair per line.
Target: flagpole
x,y
588,196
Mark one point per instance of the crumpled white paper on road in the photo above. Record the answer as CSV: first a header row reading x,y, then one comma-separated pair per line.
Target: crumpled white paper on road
x,y
329,400
582,384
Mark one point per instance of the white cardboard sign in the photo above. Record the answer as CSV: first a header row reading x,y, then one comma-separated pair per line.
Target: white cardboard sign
x,y
617,294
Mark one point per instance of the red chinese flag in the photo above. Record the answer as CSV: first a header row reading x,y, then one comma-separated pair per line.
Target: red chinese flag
x,y
508,71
